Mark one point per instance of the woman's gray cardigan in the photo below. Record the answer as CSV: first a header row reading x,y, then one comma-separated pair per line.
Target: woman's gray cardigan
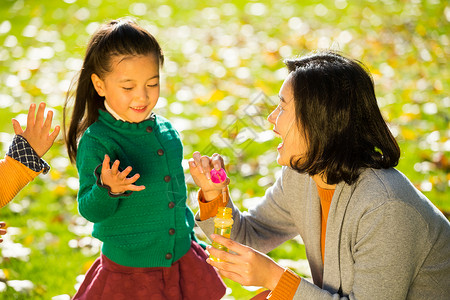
x,y
384,239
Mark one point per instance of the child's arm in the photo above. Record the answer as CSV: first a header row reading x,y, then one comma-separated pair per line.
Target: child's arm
x,y
101,186
23,161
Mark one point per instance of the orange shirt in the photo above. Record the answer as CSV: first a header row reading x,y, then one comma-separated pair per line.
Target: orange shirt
x,y
325,203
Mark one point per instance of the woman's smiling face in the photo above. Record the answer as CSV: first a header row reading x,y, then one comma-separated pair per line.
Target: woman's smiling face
x,y
285,126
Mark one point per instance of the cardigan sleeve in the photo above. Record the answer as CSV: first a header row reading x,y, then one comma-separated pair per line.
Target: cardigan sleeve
x,y
14,176
94,201
286,286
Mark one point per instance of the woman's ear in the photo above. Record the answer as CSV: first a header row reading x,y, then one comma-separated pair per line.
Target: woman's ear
x,y
98,84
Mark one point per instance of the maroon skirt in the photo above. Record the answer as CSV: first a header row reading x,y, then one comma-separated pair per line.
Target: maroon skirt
x,y
191,277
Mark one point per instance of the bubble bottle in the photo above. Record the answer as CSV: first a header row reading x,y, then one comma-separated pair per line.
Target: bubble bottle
x,y
222,226
223,220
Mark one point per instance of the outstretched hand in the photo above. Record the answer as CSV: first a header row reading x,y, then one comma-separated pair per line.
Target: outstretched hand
x,y
247,266
37,132
200,168
116,180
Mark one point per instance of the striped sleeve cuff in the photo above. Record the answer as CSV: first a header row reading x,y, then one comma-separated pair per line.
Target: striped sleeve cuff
x,y
286,287
22,151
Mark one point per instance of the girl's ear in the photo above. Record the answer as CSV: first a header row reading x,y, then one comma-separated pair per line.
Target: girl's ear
x,y
98,84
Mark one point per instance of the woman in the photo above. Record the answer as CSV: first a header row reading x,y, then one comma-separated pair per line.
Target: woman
x,y
368,232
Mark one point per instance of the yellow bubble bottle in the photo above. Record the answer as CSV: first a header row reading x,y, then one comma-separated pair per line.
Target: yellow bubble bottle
x,y
222,226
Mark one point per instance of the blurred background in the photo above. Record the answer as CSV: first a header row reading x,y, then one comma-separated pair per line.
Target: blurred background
x,y
223,70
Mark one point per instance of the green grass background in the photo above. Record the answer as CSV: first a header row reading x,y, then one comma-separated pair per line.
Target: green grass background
x,y
224,67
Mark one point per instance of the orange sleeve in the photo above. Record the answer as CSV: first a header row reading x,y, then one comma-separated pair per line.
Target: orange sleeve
x,y
209,209
286,287
13,177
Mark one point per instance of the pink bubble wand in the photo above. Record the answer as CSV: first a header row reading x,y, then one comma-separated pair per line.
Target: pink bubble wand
x,y
219,176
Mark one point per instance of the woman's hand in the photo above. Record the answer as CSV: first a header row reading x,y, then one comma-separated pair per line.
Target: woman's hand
x,y
200,166
247,266
118,181
38,129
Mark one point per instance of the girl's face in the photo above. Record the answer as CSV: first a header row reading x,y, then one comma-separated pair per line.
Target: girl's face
x,y
131,89
285,126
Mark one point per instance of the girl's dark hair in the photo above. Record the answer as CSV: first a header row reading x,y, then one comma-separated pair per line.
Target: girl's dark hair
x,y
115,38
337,111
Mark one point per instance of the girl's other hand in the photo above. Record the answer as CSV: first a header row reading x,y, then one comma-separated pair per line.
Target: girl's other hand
x,y
200,168
116,180
246,265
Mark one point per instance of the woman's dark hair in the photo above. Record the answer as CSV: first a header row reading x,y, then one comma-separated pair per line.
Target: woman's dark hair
x,y
115,38
337,111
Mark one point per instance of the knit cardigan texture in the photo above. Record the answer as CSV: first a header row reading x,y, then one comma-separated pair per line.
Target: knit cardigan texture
x,y
384,239
149,228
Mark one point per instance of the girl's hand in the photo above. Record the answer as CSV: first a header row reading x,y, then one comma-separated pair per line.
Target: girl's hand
x,y
247,266
2,230
38,129
200,166
118,181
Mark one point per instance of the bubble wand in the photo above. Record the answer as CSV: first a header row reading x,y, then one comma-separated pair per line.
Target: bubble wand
x,y
219,176
223,220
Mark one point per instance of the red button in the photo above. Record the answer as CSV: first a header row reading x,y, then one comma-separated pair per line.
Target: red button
x,y
167,178
160,152
169,256
171,231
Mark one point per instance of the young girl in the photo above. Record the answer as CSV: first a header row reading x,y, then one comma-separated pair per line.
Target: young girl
x,y
137,204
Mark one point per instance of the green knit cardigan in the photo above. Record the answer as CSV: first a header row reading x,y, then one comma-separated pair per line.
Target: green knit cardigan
x,y
149,228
